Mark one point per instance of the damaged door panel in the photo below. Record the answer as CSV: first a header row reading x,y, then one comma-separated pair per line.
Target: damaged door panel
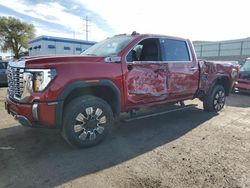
x,y
183,77
146,82
146,79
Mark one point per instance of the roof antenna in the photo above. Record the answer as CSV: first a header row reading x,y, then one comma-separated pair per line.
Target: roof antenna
x,y
134,33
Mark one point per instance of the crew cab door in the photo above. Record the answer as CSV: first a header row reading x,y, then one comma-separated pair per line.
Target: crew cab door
x,y
183,72
146,75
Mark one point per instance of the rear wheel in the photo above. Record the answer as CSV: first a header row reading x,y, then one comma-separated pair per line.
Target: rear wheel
x,y
215,100
87,120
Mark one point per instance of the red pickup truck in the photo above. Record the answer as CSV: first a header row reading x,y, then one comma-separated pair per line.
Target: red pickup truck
x,y
243,82
84,94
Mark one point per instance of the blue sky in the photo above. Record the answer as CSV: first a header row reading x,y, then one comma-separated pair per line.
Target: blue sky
x,y
194,19
58,18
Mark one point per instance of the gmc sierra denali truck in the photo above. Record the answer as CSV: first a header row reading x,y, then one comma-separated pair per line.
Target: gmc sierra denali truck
x,y
83,95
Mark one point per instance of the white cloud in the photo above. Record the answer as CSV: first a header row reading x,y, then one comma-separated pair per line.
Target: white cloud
x,y
53,12
194,19
42,30
74,7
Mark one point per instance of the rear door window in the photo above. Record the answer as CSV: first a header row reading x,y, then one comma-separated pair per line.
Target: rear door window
x,y
175,50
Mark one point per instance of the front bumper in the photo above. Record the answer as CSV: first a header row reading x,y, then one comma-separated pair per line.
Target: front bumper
x,y
23,120
242,86
37,114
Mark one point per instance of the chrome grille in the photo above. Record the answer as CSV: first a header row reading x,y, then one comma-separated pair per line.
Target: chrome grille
x,y
15,82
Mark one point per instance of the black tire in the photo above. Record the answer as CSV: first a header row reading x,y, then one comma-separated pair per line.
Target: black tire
x,y
87,120
215,100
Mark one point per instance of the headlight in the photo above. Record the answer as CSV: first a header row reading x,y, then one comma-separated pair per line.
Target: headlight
x,y
36,80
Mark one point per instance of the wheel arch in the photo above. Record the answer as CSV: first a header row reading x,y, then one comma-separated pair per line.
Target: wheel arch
x,y
104,89
224,81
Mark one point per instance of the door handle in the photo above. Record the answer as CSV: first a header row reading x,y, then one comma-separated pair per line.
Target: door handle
x,y
193,68
130,67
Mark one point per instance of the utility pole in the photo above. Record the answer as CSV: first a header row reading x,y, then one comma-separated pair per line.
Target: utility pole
x,y
87,30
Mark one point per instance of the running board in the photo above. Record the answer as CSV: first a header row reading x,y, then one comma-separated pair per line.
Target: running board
x,y
179,108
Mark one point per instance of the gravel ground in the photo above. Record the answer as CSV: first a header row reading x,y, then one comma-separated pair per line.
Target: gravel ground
x,y
191,148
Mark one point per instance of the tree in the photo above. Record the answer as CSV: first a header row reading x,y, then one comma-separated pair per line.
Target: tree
x,y
15,35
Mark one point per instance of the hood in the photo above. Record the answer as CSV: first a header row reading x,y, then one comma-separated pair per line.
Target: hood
x,y
53,60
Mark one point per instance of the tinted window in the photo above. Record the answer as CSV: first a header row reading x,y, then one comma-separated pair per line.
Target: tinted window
x,y
146,50
78,49
135,53
246,66
51,46
3,65
176,50
66,48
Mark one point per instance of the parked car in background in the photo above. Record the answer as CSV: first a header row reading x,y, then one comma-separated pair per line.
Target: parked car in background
x,y
243,82
3,74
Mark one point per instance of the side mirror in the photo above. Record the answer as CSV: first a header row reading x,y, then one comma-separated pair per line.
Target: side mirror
x,y
130,67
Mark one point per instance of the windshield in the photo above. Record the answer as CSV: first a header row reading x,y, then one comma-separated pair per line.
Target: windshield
x,y
110,46
246,66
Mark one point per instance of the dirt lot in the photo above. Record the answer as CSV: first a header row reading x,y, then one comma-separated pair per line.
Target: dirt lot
x,y
182,149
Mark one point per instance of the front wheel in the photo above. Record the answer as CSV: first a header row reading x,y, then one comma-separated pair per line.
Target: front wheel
x,y
215,100
87,120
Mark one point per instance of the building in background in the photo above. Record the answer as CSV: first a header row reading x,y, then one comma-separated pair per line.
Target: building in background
x,y
47,45
233,50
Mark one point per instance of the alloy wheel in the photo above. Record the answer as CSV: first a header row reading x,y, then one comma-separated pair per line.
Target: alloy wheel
x,y
90,123
219,100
